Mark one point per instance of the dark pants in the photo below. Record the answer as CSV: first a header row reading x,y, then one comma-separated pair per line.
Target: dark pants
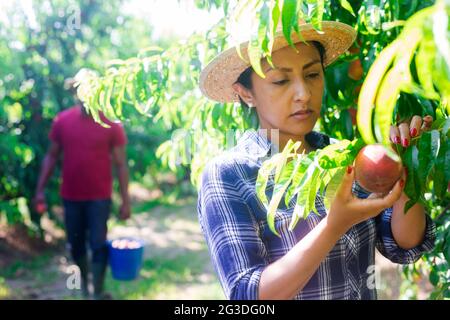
x,y
87,220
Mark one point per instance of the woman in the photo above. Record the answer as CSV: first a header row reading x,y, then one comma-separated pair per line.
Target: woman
x,y
330,256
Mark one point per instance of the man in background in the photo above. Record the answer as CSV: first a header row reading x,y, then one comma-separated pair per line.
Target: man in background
x,y
88,152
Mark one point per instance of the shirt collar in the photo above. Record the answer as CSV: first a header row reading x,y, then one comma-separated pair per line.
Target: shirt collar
x,y
255,142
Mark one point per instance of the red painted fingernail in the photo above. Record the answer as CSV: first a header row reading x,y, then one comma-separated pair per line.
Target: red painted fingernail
x,y
402,183
397,140
413,132
349,169
405,143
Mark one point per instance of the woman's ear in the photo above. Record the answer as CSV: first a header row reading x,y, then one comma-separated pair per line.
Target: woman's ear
x,y
244,93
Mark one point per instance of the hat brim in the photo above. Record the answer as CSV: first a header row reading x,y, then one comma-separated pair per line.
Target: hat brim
x,y
222,72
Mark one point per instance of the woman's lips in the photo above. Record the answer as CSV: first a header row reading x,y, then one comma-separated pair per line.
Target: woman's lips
x,y
301,115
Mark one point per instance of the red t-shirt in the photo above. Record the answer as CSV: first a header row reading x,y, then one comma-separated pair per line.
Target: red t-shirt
x,y
87,147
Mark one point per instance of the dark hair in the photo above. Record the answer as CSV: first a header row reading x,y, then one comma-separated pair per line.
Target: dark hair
x,y
245,78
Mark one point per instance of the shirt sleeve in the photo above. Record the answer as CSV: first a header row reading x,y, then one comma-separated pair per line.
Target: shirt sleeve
x,y
385,241
389,248
231,232
119,137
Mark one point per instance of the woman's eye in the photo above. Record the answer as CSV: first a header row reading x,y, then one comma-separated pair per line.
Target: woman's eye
x,y
313,75
280,82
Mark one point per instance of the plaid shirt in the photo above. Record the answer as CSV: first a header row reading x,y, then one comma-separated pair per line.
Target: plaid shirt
x,y
234,223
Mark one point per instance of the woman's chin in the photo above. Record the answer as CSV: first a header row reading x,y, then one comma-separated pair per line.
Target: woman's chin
x,y
299,130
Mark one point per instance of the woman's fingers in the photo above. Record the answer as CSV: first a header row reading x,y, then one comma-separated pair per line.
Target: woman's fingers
x,y
404,134
345,190
381,203
414,127
394,134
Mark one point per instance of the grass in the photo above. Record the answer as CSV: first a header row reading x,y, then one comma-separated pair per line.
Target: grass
x,y
4,289
29,267
162,278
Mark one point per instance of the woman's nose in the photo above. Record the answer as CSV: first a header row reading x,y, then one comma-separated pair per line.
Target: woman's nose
x,y
301,90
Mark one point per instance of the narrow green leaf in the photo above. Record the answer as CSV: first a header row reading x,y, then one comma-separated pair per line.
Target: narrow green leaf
x,y
336,155
290,147
289,18
439,176
434,277
278,192
411,161
255,55
428,145
333,186
313,189
263,176
424,63
347,6
263,28
447,161
390,87
317,14
369,89
299,177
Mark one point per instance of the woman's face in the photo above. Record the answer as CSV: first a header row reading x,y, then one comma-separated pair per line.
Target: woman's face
x,y
290,97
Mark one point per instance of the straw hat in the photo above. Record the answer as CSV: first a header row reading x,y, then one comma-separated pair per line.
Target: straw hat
x,y
218,76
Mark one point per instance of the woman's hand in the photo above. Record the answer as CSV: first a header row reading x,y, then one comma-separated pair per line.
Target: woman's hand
x,y
348,210
403,133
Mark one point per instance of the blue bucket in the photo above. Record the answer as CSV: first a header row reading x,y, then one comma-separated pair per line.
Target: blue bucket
x,y
125,257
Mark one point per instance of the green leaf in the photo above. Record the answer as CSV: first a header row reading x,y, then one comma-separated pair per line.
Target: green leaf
x,y
385,105
289,19
336,155
333,186
301,205
411,161
345,121
390,87
317,14
369,89
313,189
429,144
347,6
263,29
434,277
424,63
255,55
447,160
263,176
278,192
299,176
439,180
290,147
446,127
275,16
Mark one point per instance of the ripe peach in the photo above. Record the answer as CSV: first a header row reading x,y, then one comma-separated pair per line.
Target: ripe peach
x,y
377,168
